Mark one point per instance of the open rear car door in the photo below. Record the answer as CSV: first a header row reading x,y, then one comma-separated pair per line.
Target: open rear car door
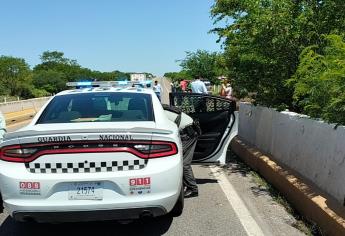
x,y
216,118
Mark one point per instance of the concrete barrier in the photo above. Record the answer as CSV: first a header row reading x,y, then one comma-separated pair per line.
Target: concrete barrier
x,y
309,200
21,110
314,149
35,103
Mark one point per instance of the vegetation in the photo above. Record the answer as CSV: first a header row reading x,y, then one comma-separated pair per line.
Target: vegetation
x,y
319,82
48,77
178,76
15,76
286,54
208,65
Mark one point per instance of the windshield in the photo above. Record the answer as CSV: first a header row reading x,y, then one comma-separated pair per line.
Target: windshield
x,y
98,107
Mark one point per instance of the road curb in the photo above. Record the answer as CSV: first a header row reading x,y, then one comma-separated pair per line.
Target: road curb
x,y
308,199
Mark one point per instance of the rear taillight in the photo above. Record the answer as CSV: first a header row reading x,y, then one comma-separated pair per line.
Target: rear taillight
x,y
142,149
156,149
16,153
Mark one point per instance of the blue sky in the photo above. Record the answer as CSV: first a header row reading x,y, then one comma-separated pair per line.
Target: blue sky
x,y
106,35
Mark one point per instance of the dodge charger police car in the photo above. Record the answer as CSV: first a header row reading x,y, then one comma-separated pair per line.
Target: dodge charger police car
x,y
94,153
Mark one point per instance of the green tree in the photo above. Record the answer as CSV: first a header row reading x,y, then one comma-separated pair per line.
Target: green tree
x,y
178,76
49,80
319,83
202,63
56,70
263,40
14,74
56,57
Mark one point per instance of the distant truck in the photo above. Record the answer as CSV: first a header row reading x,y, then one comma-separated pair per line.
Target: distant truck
x,y
141,80
138,77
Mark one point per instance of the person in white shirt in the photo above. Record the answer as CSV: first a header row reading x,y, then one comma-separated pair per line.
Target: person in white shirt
x,y
198,86
157,89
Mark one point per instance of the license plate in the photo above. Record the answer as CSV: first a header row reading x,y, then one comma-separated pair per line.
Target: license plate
x,y
85,191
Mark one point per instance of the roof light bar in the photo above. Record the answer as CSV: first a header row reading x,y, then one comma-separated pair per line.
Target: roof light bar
x,y
83,84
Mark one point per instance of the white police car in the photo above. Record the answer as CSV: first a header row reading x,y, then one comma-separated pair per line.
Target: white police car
x,y
94,153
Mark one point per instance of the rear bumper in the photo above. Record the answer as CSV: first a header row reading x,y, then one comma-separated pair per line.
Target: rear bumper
x,y
53,196
79,216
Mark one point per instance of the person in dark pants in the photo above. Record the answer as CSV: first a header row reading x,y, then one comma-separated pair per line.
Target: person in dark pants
x,y
189,137
189,130
188,177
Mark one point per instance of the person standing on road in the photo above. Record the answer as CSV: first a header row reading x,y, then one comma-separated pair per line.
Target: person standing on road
x,y
183,85
227,90
157,89
198,86
189,132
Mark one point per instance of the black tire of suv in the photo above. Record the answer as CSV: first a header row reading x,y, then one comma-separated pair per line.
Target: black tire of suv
x,y
178,208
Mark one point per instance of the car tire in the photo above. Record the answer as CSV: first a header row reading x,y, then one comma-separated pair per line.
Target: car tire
x,y
1,204
178,208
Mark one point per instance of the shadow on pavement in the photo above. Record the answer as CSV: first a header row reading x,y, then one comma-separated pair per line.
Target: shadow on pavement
x,y
206,181
156,226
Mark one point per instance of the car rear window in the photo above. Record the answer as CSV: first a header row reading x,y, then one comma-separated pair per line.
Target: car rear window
x,y
98,107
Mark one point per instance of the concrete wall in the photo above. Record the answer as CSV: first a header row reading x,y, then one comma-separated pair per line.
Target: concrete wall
x,y
313,148
35,103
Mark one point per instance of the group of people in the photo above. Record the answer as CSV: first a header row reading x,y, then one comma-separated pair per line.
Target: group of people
x,y
198,86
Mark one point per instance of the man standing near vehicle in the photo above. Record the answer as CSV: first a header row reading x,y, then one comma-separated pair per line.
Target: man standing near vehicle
x,y
157,89
199,86
183,85
189,136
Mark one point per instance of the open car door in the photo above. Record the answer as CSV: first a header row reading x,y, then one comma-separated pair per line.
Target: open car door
x,y
216,118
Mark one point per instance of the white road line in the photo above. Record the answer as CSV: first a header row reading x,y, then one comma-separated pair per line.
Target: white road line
x,y
243,214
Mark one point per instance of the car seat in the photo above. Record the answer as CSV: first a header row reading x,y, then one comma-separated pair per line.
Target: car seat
x,y
138,104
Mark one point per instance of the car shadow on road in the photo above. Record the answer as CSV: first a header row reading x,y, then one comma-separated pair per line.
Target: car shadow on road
x,y
206,181
233,165
155,226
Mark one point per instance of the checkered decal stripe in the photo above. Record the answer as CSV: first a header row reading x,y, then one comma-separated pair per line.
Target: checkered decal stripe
x,y
86,167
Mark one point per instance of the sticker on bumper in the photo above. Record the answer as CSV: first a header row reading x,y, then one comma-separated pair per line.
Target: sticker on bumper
x,y
140,185
30,188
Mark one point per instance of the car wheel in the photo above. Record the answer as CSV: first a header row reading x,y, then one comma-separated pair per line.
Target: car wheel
x,y
178,208
1,204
